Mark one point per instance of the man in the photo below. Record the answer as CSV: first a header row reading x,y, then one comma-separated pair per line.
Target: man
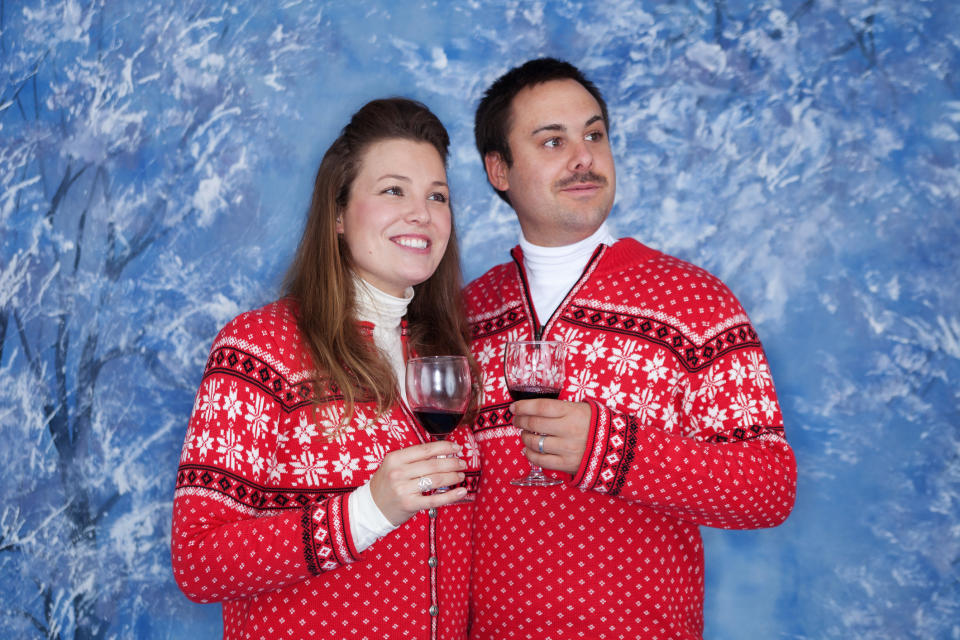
x,y
668,419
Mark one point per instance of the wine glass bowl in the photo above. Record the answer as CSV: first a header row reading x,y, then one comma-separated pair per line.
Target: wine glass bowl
x,y
438,392
534,369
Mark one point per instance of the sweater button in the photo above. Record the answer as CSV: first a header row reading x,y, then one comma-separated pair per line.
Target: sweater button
x,y
433,512
434,610
433,562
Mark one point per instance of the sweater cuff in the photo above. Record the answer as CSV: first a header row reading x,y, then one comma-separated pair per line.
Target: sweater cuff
x,y
327,541
367,522
587,473
612,444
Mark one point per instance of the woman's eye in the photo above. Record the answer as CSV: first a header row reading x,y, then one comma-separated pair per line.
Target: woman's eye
x,y
438,197
393,191
595,136
552,143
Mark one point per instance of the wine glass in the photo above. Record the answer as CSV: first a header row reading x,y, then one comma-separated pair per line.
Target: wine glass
x,y
534,369
438,392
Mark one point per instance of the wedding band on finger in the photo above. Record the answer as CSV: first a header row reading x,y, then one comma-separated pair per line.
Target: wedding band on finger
x,y
424,483
540,443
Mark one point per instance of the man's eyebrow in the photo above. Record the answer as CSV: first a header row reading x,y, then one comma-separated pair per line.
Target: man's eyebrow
x,y
561,128
549,127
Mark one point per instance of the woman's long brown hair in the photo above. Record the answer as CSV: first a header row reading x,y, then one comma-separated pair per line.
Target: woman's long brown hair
x,y
345,362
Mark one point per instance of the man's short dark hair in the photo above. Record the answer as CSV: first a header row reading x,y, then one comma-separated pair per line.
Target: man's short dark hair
x,y
493,116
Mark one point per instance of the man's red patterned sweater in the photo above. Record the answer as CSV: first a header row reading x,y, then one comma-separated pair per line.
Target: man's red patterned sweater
x,y
685,431
260,520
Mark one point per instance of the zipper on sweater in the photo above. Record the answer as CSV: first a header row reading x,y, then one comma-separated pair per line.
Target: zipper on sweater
x,y
540,329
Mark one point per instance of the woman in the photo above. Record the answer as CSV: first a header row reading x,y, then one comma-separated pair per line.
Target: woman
x,y
300,499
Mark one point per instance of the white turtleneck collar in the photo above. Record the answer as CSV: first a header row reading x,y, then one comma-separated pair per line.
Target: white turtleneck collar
x,y
385,312
552,271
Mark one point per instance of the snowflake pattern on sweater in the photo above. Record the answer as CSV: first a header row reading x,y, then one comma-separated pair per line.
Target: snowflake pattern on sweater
x,y
685,431
260,518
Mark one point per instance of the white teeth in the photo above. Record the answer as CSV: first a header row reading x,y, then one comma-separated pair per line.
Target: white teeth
x,y
413,243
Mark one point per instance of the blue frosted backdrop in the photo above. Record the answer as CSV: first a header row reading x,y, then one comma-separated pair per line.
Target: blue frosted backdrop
x,y
156,164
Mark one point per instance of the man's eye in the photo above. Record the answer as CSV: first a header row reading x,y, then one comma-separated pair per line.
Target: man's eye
x,y
595,136
552,143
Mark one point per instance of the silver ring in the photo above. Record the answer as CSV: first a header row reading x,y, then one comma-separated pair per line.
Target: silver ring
x,y
540,443
424,483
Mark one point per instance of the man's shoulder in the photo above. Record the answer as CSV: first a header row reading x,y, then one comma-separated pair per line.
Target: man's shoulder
x,y
494,280
627,254
639,277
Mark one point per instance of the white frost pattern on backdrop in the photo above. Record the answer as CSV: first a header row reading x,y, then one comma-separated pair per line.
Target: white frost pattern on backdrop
x,y
155,165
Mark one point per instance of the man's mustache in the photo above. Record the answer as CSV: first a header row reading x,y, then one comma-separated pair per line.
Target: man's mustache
x,y
588,177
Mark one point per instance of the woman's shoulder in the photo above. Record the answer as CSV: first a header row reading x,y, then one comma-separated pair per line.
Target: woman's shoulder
x,y
269,332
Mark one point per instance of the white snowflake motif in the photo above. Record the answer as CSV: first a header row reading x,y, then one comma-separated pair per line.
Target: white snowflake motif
x,y
611,395
304,431
230,449
332,425
689,401
625,359
209,402
310,467
345,466
737,373
471,453
375,458
711,383
743,408
581,385
276,469
676,378
203,443
654,368
494,386
758,370
670,417
769,406
486,354
572,337
392,427
594,351
232,404
257,416
645,407
715,418
254,460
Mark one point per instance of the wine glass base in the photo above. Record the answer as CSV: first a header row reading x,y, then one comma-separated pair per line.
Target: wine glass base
x,y
536,481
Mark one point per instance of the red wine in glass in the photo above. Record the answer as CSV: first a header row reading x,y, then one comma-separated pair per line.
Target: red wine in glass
x,y
531,392
438,422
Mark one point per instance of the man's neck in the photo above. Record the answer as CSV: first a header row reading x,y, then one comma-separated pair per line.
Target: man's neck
x,y
552,271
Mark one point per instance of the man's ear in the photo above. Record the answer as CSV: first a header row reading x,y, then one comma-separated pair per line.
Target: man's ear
x,y
496,168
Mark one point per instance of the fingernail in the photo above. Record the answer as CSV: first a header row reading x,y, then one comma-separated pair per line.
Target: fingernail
x,y
461,476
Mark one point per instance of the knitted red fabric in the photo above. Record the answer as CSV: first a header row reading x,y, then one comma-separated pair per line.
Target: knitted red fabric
x,y
686,430
260,519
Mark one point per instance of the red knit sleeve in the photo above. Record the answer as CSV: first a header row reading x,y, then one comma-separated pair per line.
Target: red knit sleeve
x,y
230,539
703,439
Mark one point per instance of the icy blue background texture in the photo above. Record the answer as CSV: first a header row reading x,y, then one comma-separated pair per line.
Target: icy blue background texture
x,y
156,160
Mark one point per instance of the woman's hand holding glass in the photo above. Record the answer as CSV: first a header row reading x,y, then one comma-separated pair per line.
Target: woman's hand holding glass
x,y
398,485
